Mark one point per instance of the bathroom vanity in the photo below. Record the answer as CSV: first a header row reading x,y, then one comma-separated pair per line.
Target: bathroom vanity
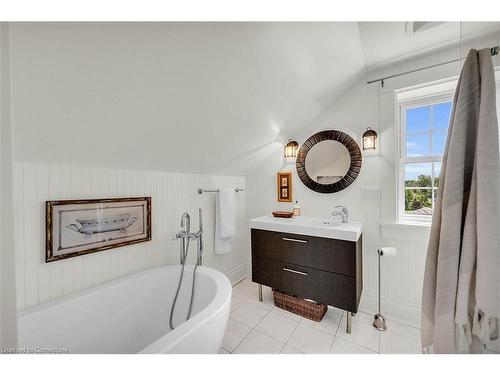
x,y
313,258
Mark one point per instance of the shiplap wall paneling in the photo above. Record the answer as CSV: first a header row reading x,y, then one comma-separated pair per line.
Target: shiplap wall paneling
x,y
172,194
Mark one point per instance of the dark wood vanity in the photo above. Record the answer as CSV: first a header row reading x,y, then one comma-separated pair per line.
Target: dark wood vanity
x,y
310,257
328,271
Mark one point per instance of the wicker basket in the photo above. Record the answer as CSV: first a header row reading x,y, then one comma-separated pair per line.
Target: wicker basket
x,y
299,306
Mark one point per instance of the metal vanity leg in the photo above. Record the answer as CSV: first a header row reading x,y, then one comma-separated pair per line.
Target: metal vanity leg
x,y
260,293
349,322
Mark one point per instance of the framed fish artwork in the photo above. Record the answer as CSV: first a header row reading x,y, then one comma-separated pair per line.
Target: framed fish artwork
x,y
78,227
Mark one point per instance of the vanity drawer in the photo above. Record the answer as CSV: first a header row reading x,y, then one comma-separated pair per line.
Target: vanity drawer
x,y
315,252
324,287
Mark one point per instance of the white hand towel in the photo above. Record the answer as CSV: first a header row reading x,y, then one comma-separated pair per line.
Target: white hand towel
x,y
225,220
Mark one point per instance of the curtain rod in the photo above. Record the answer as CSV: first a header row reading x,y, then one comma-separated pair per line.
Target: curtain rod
x,y
494,52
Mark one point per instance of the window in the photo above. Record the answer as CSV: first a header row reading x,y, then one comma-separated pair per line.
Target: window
x,y
423,129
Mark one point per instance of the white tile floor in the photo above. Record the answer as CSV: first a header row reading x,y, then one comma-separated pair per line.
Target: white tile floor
x,y
260,327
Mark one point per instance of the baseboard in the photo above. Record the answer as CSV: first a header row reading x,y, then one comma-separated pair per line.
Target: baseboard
x,y
239,273
409,315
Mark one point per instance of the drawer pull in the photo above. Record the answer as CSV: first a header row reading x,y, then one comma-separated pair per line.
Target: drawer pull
x,y
294,240
293,271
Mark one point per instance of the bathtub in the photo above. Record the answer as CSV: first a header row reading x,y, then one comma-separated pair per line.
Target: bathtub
x,y
130,315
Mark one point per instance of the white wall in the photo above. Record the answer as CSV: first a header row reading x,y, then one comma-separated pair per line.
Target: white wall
x,y
156,94
172,194
164,95
147,97
402,276
8,326
362,106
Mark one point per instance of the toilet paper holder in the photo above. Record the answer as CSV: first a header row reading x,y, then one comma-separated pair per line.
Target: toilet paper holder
x,y
379,320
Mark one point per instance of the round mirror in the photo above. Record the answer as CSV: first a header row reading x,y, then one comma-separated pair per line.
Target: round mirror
x,y
328,161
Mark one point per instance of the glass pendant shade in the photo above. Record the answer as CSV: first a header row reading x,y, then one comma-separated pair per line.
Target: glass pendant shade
x,y
369,138
291,149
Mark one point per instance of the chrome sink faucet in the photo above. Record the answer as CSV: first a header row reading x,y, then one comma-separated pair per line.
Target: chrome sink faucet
x,y
342,211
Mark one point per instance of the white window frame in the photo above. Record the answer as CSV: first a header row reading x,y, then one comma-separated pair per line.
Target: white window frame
x,y
432,97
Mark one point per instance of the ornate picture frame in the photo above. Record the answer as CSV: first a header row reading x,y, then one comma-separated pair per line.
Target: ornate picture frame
x,y
78,227
284,186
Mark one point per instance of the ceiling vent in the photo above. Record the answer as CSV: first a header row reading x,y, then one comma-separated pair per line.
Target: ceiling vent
x,y
414,27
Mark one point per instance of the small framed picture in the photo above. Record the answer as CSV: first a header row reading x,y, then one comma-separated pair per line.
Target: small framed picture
x,y
284,188
78,227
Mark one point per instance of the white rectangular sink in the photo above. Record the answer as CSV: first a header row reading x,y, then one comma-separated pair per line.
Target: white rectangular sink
x,y
310,226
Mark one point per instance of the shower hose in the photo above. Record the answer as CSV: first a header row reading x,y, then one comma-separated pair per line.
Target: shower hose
x,y
185,250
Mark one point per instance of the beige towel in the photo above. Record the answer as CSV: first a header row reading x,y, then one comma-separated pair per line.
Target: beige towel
x,y
461,293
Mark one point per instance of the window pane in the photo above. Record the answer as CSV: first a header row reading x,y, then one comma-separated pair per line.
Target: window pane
x,y
434,195
417,119
418,201
438,142
418,175
418,145
437,172
425,133
441,113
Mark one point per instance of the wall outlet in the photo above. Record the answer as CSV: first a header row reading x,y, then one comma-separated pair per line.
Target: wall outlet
x,y
370,193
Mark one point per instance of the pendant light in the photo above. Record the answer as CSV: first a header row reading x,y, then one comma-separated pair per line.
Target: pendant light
x,y
369,138
291,149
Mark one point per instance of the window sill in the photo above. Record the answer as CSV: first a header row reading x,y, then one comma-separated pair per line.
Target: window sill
x,y
406,223
406,230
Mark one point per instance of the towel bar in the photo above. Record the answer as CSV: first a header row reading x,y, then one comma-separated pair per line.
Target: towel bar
x,y
201,191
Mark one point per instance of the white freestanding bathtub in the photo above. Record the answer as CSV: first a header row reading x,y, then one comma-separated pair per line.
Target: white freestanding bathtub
x,y
130,315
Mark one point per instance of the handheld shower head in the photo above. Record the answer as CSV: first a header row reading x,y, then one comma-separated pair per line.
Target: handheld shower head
x,y
186,222
200,221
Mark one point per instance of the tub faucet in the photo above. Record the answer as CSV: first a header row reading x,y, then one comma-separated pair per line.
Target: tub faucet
x,y
342,211
185,236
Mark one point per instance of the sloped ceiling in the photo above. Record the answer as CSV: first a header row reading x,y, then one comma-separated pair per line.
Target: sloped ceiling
x,y
190,97
214,98
388,42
